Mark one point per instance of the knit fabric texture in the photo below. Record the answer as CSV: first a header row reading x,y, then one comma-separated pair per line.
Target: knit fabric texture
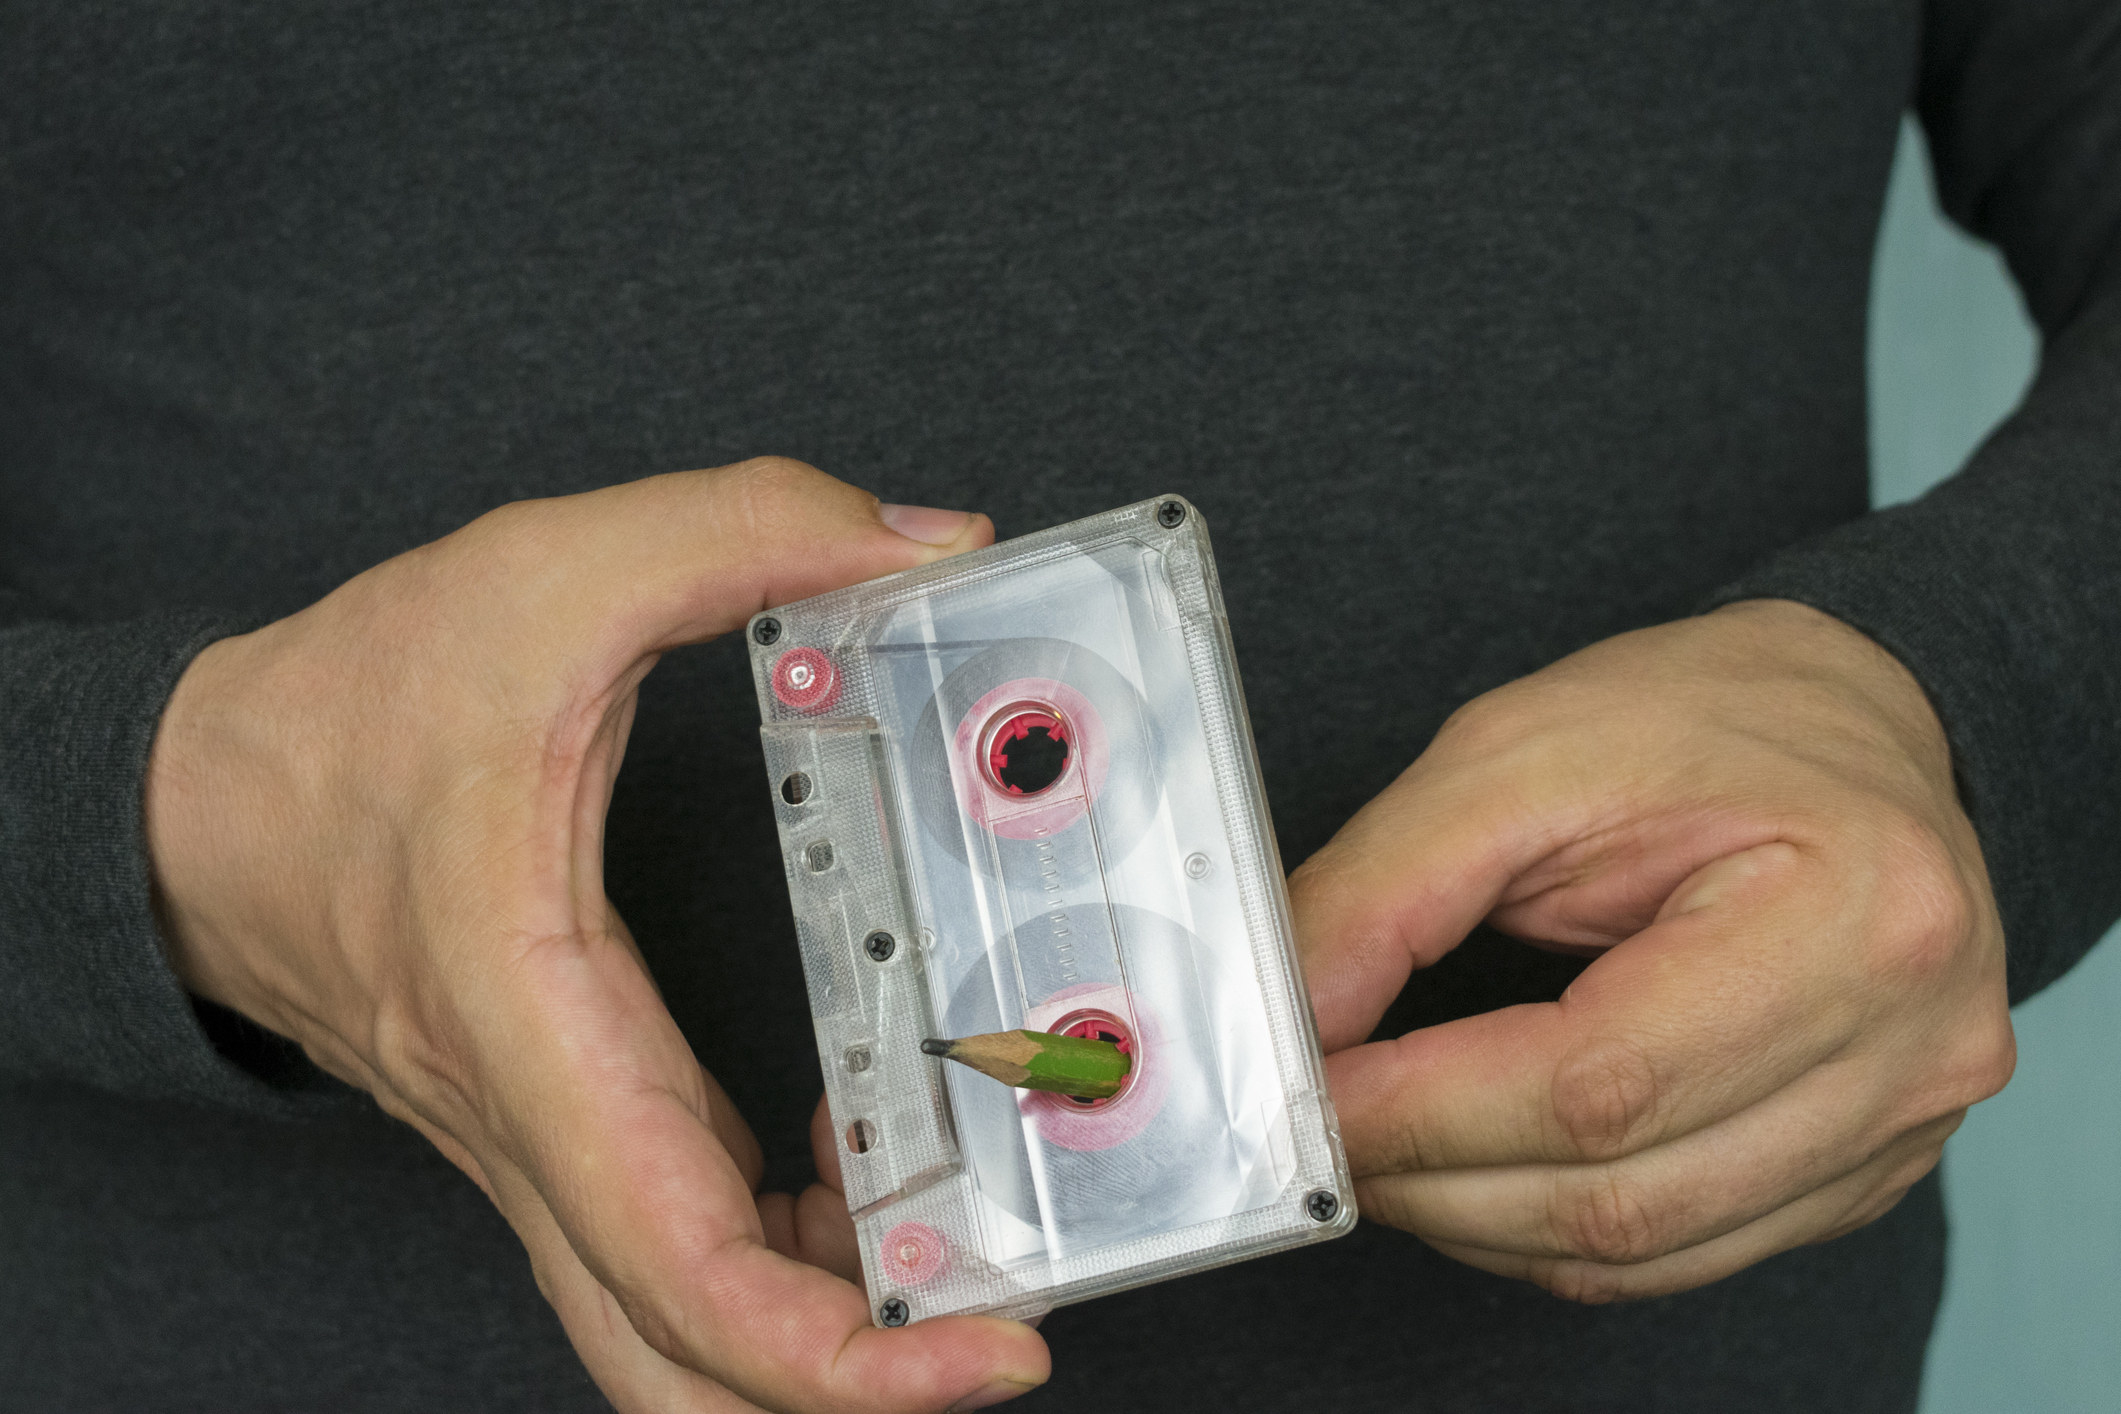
x,y
1478,333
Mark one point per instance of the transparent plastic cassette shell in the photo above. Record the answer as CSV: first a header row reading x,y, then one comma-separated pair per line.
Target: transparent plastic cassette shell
x,y
1017,789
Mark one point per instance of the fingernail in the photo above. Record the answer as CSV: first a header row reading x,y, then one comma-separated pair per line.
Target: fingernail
x,y
925,523
992,1394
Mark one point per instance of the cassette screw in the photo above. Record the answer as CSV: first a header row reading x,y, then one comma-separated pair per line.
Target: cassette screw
x,y
766,631
880,945
1197,866
819,856
893,1312
1323,1206
1170,515
858,1059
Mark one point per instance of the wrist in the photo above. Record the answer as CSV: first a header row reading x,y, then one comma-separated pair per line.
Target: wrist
x,y
192,823
1807,644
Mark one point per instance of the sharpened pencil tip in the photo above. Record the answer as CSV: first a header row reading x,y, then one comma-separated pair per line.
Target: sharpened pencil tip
x,y
935,1048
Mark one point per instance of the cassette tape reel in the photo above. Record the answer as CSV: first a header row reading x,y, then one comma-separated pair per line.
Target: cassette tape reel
x,y
1017,790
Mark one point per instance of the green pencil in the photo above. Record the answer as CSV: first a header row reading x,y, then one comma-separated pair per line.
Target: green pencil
x,y
1039,1060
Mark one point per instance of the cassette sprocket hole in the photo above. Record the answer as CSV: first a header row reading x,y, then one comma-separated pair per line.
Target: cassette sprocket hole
x,y
1028,748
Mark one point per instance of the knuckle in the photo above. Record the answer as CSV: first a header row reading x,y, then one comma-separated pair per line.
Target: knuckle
x,y
506,519
774,474
1406,1146
1893,1182
1996,1061
1926,905
1585,1283
771,500
1873,1206
518,530
516,553
1606,1220
1606,1096
1970,1067
1487,724
1909,1172
1982,1061
772,485
1383,1199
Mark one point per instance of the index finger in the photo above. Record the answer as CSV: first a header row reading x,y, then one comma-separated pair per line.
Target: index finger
x,y
1691,1020
1499,814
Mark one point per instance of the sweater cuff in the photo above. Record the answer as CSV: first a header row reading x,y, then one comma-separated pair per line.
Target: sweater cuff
x,y
86,990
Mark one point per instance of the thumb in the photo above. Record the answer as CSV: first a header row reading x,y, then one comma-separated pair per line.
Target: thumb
x,y
653,564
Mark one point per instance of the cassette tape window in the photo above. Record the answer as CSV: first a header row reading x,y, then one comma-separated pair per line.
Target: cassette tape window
x,y
1016,791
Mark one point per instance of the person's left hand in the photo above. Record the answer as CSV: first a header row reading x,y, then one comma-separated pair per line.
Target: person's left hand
x,y
1799,989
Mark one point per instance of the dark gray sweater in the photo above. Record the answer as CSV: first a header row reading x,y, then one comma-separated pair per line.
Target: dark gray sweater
x,y
1479,330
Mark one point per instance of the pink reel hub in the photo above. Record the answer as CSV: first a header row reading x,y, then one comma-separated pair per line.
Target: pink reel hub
x,y
805,679
914,1253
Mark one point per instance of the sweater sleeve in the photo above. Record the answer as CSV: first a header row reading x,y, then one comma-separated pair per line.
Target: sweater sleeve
x,y
86,992
2001,589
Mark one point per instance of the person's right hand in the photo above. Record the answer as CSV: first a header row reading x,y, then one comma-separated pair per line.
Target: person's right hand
x,y
377,828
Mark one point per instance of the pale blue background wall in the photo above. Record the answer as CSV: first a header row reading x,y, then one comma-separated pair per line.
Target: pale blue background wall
x,y
2032,1307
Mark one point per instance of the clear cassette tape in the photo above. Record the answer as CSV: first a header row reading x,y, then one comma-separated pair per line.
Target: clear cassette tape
x,y
1016,790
